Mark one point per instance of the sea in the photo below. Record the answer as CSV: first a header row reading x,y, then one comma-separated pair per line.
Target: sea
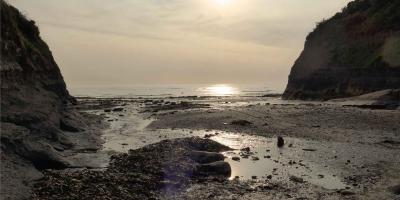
x,y
181,90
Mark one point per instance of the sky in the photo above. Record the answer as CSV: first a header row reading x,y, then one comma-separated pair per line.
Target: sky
x,y
142,42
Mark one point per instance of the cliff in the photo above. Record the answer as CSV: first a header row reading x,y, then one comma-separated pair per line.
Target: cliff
x,y
34,99
357,51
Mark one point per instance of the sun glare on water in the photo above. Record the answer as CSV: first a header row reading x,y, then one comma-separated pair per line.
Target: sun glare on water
x,y
221,90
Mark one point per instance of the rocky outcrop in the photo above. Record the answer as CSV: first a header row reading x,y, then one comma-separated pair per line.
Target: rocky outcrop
x,y
34,100
156,171
355,52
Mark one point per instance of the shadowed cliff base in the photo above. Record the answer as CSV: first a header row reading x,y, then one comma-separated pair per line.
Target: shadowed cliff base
x,y
355,52
36,123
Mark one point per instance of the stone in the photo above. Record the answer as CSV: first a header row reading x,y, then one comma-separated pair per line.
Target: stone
x,y
395,189
219,168
205,156
346,192
236,158
296,179
241,122
118,109
68,125
246,149
255,158
280,141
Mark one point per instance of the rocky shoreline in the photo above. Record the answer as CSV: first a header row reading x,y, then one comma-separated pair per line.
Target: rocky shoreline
x,y
184,168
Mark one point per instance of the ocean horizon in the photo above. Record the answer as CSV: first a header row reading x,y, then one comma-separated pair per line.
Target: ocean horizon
x,y
173,90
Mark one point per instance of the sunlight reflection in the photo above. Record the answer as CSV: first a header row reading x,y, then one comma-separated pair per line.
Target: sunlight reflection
x,y
221,90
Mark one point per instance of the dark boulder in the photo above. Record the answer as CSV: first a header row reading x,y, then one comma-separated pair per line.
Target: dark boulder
x,y
205,157
219,168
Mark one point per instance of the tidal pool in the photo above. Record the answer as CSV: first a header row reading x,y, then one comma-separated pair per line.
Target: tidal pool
x,y
264,160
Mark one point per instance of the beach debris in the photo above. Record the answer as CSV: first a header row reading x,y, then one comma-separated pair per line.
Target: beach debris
x,y
309,149
241,122
280,141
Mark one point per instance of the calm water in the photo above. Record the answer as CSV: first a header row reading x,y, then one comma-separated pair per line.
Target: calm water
x,y
173,90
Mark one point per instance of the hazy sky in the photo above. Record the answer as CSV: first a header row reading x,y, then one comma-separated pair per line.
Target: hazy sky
x,y
126,42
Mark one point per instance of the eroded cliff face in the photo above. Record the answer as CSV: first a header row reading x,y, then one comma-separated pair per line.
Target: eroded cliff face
x,y
33,105
355,52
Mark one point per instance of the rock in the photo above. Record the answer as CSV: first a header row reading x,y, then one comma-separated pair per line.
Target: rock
x,y
296,179
280,141
107,110
255,158
118,109
219,168
208,136
68,125
395,189
241,122
269,177
320,176
236,158
43,155
253,177
346,192
205,157
246,149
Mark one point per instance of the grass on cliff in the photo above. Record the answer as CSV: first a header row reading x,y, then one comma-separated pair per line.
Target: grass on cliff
x,y
358,34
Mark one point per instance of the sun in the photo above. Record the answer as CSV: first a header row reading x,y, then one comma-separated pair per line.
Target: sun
x,y
222,2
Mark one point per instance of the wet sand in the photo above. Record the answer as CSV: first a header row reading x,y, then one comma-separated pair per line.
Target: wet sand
x,y
330,151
